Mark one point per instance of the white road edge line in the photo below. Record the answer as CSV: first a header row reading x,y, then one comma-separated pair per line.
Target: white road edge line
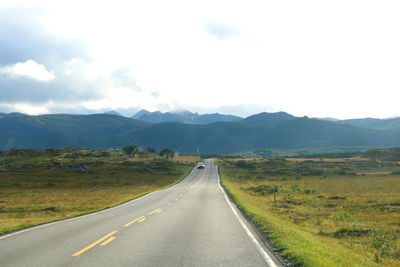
x,y
90,214
265,255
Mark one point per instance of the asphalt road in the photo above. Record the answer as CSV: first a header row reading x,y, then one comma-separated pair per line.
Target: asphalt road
x,y
190,224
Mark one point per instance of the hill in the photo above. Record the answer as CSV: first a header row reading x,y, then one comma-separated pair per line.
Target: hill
x,y
266,130
391,154
61,130
113,112
183,116
266,118
378,124
232,137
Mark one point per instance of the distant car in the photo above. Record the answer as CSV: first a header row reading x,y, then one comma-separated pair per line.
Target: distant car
x,y
200,165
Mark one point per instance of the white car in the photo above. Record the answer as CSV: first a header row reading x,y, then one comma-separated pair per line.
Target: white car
x,y
200,165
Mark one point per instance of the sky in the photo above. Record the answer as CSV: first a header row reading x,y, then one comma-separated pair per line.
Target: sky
x,y
337,59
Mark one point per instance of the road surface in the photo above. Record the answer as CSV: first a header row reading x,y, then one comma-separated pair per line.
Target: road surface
x,y
190,224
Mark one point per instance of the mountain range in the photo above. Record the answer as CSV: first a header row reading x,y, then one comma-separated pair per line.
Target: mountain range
x,y
371,123
182,116
265,130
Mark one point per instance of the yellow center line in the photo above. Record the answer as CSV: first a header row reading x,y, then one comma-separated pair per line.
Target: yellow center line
x,y
94,244
107,241
141,220
135,220
201,178
154,211
177,199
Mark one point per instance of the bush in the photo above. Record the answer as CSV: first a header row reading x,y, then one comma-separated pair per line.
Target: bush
x,y
343,216
262,189
385,242
244,164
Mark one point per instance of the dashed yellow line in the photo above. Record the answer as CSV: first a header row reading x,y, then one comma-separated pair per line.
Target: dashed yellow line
x,y
135,220
201,178
155,211
94,244
107,241
109,238
176,199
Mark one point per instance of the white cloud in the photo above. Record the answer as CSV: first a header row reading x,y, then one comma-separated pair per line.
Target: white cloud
x,y
316,58
222,30
28,69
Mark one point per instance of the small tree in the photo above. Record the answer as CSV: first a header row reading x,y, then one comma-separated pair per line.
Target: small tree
x,y
130,150
166,152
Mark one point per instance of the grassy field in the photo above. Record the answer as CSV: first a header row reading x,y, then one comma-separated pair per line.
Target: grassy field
x,y
39,186
327,212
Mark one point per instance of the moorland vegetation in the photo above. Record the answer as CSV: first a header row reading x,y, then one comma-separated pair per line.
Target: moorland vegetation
x,y
326,211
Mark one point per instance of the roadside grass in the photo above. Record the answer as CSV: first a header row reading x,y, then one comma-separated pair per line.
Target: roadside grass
x,y
347,215
35,189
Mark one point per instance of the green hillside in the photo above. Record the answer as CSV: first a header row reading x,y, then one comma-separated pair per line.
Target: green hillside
x,y
267,130
97,131
377,124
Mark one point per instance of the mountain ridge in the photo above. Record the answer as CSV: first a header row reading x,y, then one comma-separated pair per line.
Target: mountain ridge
x,y
102,131
182,116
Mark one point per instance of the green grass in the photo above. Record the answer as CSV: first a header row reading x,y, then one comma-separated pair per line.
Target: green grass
x,y
347,216
38,188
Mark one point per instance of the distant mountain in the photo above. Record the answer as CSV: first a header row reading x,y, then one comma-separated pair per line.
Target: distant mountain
x,y
215,117
12,114
327,119
266,118
265,130
232,137
140,113
378,124
113,112
182,116
60,130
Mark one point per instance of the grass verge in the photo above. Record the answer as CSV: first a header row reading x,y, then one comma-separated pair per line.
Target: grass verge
x,y
317,220
36,188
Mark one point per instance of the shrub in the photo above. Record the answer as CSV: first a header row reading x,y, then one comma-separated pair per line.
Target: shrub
x,y
343,216
295,188
385,242
244,164
262,189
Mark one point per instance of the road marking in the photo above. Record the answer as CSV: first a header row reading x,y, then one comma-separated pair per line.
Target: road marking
x,y
201,178
154,211
94,244
142,220
107,241
90,214
180,195
265,255
176,199
135,220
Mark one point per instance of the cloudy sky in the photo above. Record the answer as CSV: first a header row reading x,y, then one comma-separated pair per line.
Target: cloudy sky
x,y
317,58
